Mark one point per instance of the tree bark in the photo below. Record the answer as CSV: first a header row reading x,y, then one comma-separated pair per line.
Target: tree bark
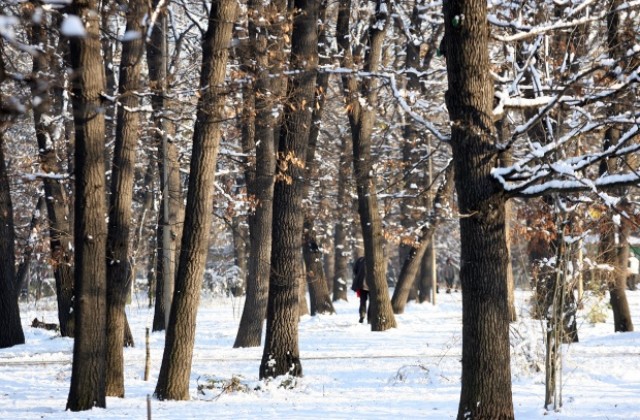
x,y
11,332
173,379
171,214
49,131
361,122
281,354
614,237
119,267
319,297
341,245
32,240
90,232
486,372
259,172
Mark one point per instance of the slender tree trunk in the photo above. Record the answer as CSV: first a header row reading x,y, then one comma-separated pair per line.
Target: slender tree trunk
x,y
319,297
486,371
342,250
361,120
171,212
281,353
32,240
90,232
173,379
11,332
614,237
119,268
259,172
414,258
49,129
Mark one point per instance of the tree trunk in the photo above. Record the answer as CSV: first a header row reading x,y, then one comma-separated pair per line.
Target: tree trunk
x,y
416,254
614,238
27,253
361,120
119,268
340,243
486,372
11,332
319,297
90,231
173,379
171,215
259,172
281,353
48,134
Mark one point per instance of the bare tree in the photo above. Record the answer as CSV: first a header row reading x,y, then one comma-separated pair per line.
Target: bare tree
x,y
11,332
320,299
265,44
361,120
486,372
119,267
48,115
173,379
90,231
281,354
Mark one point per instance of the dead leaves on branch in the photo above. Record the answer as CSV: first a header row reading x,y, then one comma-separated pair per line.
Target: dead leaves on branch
x,y
287,161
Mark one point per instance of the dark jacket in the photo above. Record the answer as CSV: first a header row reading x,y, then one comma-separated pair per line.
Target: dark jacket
x,y
360,275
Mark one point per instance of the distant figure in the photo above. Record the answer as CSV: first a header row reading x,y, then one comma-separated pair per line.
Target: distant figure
x,y
360,286
449,274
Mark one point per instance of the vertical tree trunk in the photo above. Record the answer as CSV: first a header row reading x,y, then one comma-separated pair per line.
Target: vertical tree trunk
x,y
171,212
32,240
264,22
320,299
49,131
486,372
119,268
281,353
361,122
173,380
11,332
614,236
341,246
90,232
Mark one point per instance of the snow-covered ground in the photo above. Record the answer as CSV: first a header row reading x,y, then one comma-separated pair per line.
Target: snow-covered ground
x,y
412,371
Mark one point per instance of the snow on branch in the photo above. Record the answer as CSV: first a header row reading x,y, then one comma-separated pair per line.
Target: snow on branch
x,y
529,32
538,173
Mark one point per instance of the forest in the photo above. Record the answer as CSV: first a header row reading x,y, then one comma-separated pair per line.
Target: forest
x,y
257,149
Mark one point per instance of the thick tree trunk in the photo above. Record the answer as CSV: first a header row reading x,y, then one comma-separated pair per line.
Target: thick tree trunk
x,y
119,268
90,231
259,172
486,371
361,120
281,353
11,332
173,379
416,253
48,134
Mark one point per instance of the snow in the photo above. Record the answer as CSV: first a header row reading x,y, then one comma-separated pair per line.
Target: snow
x,y
72,26
412,371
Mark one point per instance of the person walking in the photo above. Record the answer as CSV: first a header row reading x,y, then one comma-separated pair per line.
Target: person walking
x,y
360,286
